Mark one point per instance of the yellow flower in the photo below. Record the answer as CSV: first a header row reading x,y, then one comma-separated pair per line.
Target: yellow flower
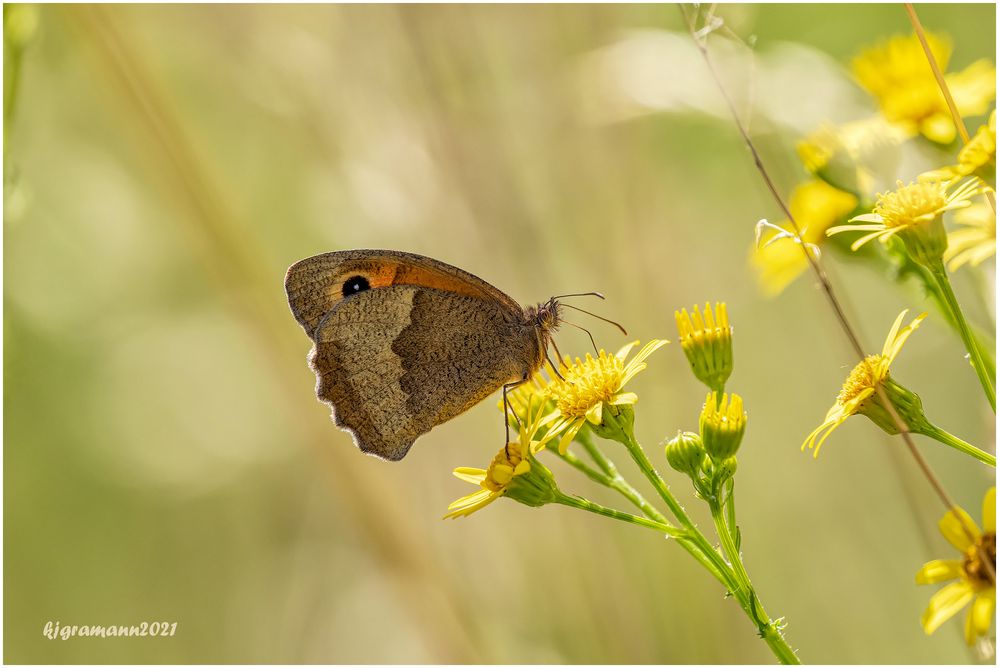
x,y
977,157
707,344
915,213
590,384
851,155
527,398
898,75
513,471
975,241
723,423
863,382
974,572
816,206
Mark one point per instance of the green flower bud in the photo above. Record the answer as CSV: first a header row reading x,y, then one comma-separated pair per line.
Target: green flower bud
x,y
724,470
685,453
722,425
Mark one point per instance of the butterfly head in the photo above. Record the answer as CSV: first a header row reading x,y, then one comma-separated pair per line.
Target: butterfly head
x,y
546,316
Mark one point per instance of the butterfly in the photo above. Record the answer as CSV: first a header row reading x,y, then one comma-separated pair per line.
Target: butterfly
x,y
403,342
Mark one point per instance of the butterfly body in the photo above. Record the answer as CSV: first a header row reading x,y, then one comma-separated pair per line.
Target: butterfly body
x,y
404,342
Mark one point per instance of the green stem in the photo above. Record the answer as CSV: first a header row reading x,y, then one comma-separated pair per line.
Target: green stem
x,y
701,549
946,438
717,567
769,630
587,470
985,371
733,528
589,506
605,464
616,482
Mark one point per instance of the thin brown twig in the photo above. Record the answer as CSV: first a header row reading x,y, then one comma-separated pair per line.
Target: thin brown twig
x,y
955,114
816,266
937,74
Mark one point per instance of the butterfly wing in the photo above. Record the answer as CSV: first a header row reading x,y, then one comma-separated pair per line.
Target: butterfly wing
x,y
317,284
394,362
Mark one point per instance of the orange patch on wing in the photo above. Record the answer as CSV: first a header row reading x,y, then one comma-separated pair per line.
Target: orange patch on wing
x,y
384,274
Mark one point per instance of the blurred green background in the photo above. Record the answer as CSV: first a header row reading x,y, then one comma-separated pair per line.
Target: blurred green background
x,y
165,457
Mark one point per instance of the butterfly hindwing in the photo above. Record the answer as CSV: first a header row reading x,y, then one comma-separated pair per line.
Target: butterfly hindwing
x,y
395,361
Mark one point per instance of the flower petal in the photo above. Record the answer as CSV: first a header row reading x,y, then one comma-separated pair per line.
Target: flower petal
x,y
595,414
939,570
989,511
955,527
623,353
893,332
474,476
895,341
945,604
630,372
623,398
882,235
979,619
867,218
467,505
649,348
570,433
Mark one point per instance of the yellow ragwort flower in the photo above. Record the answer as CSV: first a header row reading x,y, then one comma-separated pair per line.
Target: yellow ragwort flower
x,y
509,462
915,212
590,384
707,343
977,157
899,77
974,572
511,470
975,241
816,206
863,382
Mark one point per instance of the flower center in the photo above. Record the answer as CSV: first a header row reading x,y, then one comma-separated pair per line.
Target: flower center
x,y
980,560
911,204
864,376
501,469
587,383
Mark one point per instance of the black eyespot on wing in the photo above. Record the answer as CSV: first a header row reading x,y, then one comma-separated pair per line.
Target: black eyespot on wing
x,y
355,284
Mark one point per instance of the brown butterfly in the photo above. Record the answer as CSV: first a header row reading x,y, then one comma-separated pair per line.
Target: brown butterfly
x,y
405,342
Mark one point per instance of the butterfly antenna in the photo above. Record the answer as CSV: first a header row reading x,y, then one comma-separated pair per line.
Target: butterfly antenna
x,y
580,294
587,333
598,317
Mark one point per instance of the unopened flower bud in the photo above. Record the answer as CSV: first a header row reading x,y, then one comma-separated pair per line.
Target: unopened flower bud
x,y
685,453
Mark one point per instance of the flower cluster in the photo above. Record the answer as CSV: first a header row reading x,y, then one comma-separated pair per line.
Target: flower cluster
x,y
584,392
856,159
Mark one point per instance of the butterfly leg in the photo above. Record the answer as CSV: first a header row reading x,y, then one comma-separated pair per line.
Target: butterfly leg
x,y
560,358
506,410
